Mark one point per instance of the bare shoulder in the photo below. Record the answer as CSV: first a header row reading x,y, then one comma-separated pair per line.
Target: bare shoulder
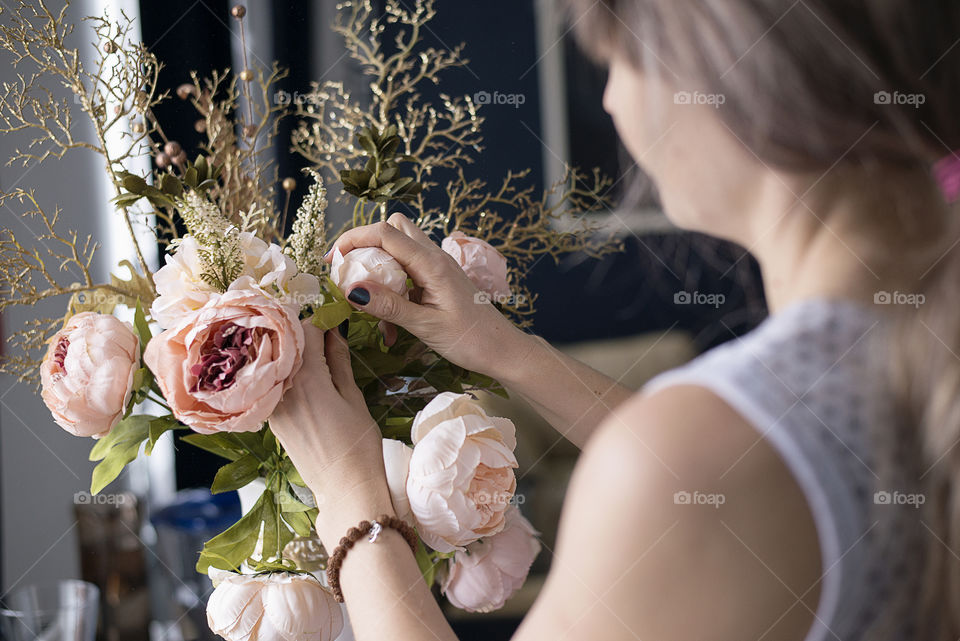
x,y
681,522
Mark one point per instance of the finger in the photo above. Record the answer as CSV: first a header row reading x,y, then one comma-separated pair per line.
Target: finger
x,y
385,304
407,226
389,331
417,260
338,359
314,362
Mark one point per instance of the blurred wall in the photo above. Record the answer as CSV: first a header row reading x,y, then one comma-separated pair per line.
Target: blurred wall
x,y
41,465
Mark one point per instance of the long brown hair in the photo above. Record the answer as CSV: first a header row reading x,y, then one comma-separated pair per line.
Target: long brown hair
x,y
868,90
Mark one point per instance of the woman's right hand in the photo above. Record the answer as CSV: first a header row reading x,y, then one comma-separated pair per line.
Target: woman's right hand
x,y
450,317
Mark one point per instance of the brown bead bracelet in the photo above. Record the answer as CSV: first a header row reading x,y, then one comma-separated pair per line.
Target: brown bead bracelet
x,y
354,534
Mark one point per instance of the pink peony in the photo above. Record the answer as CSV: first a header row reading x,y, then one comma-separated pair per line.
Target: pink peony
x,y
490,571
483,264
272,607
87,373
224,367
461,476
181,288
367,264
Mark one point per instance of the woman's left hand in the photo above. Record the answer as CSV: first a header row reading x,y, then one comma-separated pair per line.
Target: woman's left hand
x,y
325,427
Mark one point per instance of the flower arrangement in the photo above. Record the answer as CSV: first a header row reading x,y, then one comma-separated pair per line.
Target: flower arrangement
x,y
207,344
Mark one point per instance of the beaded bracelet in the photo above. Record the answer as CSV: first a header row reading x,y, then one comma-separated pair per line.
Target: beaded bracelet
x,y
354,534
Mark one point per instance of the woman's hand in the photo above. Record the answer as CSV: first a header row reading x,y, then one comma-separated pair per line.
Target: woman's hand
x,y
450,317
325,427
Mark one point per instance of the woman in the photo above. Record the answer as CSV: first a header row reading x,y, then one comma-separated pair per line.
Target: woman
x,y
798,483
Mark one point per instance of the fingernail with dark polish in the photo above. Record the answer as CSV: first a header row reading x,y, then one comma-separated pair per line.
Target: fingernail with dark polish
x,y
344,328
360,296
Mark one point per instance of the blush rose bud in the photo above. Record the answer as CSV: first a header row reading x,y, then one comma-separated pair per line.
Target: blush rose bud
x,y
481,262
461,477
272,607
367,264
490,571
87,373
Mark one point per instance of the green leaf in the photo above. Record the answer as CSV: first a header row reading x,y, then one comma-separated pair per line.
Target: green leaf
x,y
291,504
269,441
330,315
125,200
428,568
299,521
133,428
142,327
134,184
159,427
215,444
234,545
190,176
291,473
201,165
116,449
236,474
170,184
275,534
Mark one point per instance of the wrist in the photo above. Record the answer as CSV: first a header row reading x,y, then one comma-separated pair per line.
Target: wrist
x,y
336,516
515,352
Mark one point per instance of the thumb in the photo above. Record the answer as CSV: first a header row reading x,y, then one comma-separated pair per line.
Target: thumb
x,y
384,303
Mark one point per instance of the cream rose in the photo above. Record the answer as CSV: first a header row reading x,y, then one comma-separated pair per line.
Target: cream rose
x,y
461,475
367,264
181,290
87,373
396,462
483,264
225,367
490,571
272,607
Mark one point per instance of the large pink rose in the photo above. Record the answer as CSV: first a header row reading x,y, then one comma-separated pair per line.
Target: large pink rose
x,y
490,571
224,367
481,262
460,480
87,373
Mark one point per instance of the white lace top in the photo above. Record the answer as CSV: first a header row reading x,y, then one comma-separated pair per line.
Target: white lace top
x,y
810,380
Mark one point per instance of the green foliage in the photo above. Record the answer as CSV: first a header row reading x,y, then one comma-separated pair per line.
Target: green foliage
x,y
379,180
122,445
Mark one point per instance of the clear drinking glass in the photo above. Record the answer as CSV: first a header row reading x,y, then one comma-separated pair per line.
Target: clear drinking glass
x,y
60,611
